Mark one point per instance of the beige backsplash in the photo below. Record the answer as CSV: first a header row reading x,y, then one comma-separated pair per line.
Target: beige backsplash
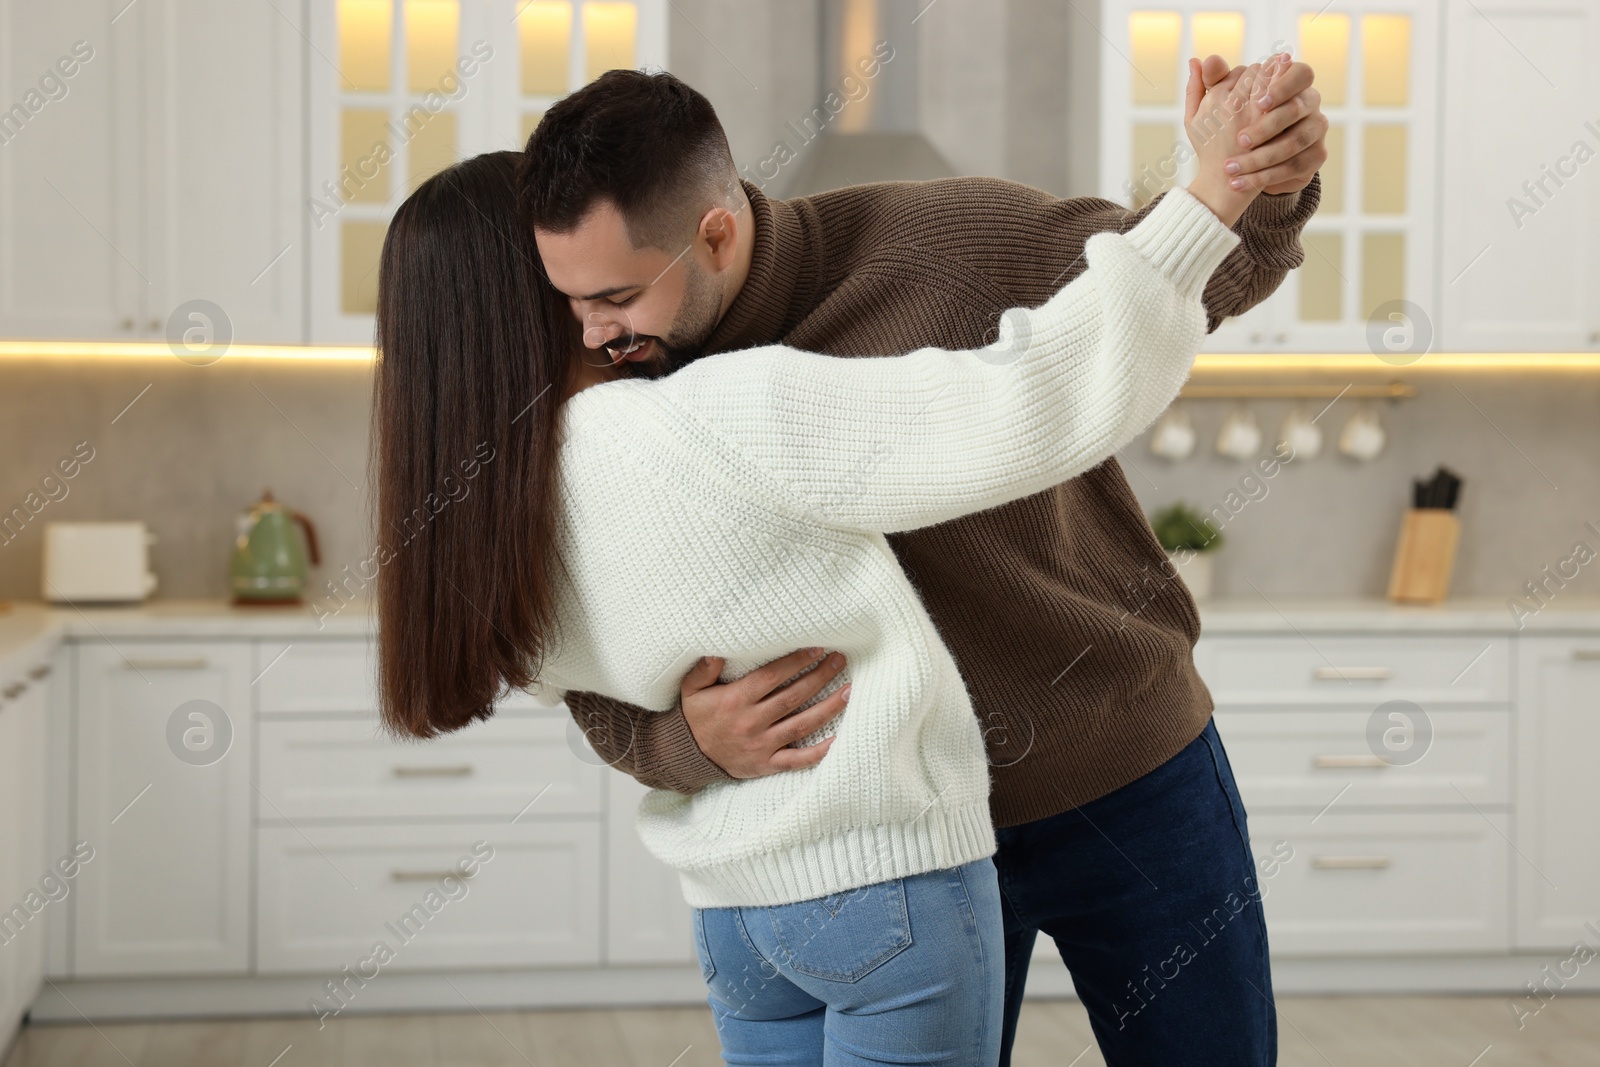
x,y
199,444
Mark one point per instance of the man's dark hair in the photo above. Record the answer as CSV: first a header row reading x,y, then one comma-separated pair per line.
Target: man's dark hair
x,y
648,143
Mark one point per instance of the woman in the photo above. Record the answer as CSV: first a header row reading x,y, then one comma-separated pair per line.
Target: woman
x,y
606,531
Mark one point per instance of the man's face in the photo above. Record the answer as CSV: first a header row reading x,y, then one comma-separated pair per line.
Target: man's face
x,y
647,307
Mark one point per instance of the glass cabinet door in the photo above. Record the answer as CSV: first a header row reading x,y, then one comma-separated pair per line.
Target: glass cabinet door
x,y
401,89
1369,255
1369,245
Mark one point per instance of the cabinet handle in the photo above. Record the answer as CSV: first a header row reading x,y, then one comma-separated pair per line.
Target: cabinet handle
x,y
1255,338
39,672
461,771
1280,337
1350,761
428,876
1345,674
155,325
192,663
127,323
14,690
1586,653
1350,863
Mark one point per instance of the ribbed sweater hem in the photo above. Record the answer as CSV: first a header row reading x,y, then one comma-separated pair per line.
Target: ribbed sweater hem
x,y
1145,734
940,838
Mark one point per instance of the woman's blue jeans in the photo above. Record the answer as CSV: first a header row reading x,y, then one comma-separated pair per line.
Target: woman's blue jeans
x,y
911,970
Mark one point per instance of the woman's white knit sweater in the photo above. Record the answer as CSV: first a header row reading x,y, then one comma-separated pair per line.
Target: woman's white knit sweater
x,y
738,507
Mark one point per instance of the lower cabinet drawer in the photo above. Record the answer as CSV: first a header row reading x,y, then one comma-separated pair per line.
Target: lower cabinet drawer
x,y
1299,757
1429,669
342,768
1383,883
379,898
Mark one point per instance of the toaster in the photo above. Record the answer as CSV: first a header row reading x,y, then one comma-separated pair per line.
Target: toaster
x,y
97,561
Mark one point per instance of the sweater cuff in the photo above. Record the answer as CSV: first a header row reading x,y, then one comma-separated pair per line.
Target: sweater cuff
x,y
1184,240
676,757
1272,224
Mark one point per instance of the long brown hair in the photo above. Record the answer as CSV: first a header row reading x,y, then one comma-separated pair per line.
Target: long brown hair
x,y
474,352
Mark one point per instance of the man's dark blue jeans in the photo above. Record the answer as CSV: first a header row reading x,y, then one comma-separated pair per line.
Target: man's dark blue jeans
x,y
1154,902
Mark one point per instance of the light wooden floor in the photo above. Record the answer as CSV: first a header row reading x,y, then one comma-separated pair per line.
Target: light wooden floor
x,y
1392,1031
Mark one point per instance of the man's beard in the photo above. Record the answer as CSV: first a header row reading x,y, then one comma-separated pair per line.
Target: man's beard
x,y
697,318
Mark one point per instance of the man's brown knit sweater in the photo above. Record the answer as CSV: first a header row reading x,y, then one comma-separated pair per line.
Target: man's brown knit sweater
x,y
1076,647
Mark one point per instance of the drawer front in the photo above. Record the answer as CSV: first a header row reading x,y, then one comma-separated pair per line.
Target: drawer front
x,y
333,676
1385,884
504,767
1331,669
329,895
1308,757
316,676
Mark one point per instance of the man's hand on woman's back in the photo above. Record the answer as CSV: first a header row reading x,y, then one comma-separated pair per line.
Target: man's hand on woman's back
x,y
745,726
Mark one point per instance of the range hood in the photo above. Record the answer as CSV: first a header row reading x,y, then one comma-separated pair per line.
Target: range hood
x,y
867,127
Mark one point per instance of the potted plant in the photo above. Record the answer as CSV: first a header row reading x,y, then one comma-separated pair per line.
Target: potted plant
x,y
1189,543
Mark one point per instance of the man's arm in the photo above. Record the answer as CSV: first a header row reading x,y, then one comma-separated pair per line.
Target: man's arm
x,y
1036,246
656,747
754,721
1033,243
1269,248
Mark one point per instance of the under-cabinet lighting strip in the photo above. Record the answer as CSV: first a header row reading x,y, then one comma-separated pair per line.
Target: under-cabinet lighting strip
x,y
1205,363
131,350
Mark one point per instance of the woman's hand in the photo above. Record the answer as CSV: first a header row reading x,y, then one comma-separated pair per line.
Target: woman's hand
x,y
1214,117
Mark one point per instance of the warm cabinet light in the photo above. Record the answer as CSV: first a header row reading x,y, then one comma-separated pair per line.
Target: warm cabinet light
x,y
1218,33
1154,36
545,30
1205,362
1346,362
610,31
364,34
432,32
71,351
1325,45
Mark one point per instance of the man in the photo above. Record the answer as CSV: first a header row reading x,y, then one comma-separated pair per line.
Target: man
x,y
1121,834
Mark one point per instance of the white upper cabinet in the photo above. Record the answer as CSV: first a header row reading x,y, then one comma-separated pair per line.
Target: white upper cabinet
x,y
151,173
1371,243
401,89
72,254
225,169
1520,254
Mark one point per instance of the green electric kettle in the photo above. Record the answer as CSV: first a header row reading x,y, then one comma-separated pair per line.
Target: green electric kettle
x,y
269,566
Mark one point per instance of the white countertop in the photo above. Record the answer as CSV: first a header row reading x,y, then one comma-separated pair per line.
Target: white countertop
x,y
1374,615
31,629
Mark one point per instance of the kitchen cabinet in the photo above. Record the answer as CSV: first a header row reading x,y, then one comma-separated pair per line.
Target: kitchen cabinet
x,y
407,87
1427,852
1379,765
355,830
1520,258
1371,243
72,257
24,702
462,894
327,767
154,192
164,797
224,161
1384,883
1557,864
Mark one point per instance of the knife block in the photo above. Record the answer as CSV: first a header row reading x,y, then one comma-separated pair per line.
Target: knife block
x,y
1425,556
